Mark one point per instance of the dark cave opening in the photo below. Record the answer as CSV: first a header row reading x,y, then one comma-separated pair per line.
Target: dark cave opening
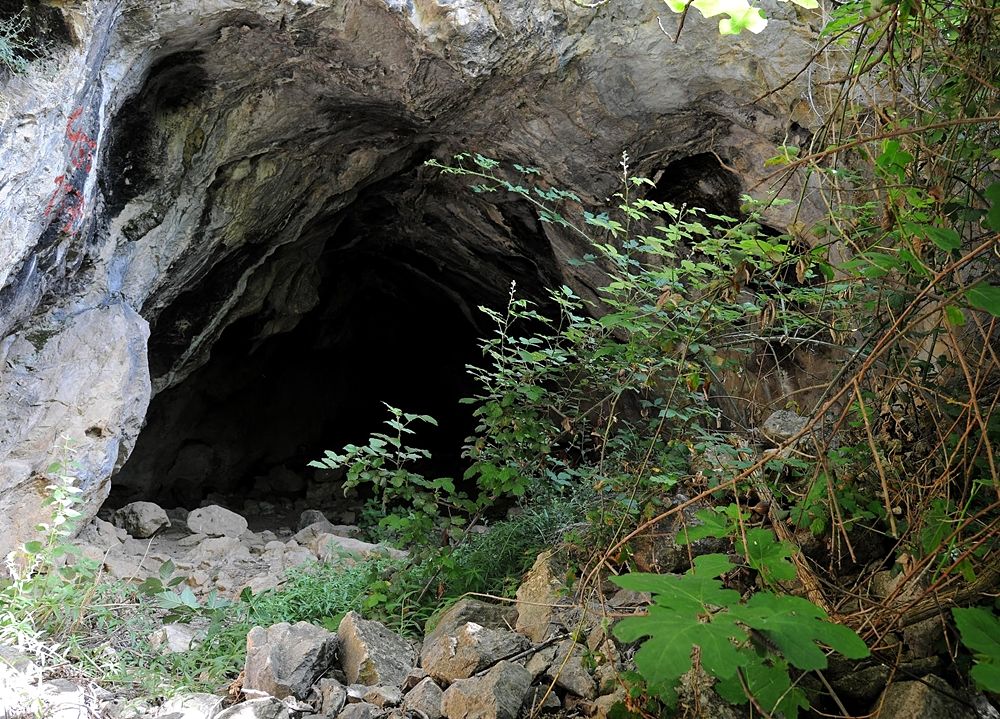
x,y
249,420
699,181
393,322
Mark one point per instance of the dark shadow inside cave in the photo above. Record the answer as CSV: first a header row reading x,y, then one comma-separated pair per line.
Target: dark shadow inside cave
x,y
699,180
393,324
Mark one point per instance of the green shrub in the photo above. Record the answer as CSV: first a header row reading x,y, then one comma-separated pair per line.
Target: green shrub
x,y
16,48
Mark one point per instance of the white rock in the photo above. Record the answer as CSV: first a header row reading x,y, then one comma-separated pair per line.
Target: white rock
x,y
190,706
176,638
216,521
264,708
330,547
218,550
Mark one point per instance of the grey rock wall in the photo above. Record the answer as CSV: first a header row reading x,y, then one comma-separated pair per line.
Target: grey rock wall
x,y
182,165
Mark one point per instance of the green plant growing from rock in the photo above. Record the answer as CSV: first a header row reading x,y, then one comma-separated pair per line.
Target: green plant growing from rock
x,y
979,629
16,48
50,585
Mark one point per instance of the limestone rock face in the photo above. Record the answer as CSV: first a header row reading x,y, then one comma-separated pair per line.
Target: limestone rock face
x,y
85,379
189,167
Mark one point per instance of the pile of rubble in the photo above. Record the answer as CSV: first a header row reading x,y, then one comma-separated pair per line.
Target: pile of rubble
x,y
214,548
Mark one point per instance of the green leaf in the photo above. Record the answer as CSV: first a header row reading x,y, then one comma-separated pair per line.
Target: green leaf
x,y
955,315
993,216
666,655
166,570
769,556
751,19
980,632
711,565
796,626
713,523
768,681
945,238
987,676
33,547
985,297
681,593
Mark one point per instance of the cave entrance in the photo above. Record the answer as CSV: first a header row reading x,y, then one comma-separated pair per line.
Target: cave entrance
x,y
392,320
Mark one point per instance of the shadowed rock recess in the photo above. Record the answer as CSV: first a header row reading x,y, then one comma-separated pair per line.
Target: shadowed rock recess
x,y
220,251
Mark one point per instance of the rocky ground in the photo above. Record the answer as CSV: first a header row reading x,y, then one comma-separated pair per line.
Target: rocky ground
x,y
215,548
545,652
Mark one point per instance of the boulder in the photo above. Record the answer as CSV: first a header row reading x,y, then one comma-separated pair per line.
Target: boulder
x,y
176,638
425,698
311,516
332,696
372,654
308,534
218,550
361,710
414,677
122,566
190,706
782,425
540,699
141,519
539,662
569,673
604,707
497,695
287,659
62,699
263,708
383,696
473,647
491,616
100,534
216,521
931,697
330,547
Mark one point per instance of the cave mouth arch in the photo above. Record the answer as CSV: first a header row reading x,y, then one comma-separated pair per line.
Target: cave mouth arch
x,y
297,264
394,321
